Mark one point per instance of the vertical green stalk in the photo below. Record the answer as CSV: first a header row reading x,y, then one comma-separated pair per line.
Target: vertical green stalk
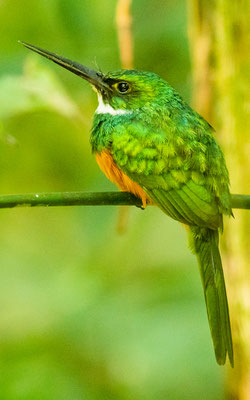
x,y
219,32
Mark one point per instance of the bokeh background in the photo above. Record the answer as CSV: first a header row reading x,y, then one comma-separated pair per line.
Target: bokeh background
x,y
86,313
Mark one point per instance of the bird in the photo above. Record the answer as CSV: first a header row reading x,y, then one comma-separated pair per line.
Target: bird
x,y
151,143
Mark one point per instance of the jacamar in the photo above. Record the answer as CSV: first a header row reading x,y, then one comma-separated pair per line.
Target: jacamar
x,y
148,141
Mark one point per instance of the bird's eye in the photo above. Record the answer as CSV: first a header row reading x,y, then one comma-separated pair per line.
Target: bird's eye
x,y
123,87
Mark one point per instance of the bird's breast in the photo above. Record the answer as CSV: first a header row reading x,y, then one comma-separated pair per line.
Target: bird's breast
x,y
116,175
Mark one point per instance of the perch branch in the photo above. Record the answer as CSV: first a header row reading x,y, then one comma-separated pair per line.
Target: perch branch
x,y
90,199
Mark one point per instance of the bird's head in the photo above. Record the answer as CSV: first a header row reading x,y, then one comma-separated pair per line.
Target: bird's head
x,y
131,90
119,91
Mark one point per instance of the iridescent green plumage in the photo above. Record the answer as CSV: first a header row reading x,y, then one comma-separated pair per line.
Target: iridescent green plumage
x,y
154,138
169,150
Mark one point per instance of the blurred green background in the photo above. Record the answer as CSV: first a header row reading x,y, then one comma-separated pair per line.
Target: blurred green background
x,y
87,313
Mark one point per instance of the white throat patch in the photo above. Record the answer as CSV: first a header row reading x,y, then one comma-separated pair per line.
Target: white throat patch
x,y
107,109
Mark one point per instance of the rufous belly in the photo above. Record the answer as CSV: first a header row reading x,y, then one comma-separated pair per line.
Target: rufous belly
x,y
115,175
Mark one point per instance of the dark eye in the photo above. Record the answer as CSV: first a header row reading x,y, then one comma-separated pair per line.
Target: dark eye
x,y
123,87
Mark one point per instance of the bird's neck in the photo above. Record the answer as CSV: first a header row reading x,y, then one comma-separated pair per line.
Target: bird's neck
x,y
108,119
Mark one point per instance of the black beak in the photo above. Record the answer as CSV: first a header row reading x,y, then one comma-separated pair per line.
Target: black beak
x,y
93,77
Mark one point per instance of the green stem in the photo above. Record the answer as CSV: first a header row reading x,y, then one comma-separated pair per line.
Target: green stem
x,y
89,199
240,201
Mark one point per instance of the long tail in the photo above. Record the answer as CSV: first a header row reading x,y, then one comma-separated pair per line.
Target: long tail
x,y
204,242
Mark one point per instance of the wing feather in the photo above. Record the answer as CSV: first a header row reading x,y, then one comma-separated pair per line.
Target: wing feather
x,y
175,181
185,206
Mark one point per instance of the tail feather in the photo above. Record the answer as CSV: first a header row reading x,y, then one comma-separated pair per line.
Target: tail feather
x,y
204,242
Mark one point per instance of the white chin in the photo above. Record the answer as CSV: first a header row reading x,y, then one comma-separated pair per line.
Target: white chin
x,y
107,109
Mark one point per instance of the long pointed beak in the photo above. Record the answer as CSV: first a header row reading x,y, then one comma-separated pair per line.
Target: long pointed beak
x,y
93,77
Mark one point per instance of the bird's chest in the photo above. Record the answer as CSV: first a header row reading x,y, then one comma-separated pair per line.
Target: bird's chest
x,y
102,137
116,175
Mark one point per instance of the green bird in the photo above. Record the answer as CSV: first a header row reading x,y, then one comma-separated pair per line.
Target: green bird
x,y
150,142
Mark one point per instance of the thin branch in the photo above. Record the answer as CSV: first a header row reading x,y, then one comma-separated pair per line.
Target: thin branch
x,y
241,201
90,199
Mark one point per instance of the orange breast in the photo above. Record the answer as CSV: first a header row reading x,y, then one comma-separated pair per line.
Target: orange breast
x,y
114,174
